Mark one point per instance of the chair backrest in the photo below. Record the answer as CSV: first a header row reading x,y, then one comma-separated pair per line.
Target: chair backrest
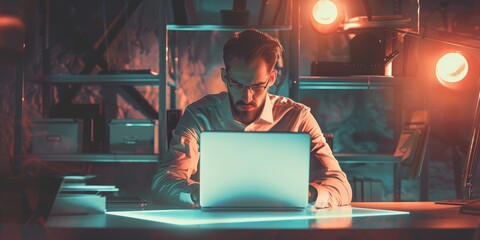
x,y
412,145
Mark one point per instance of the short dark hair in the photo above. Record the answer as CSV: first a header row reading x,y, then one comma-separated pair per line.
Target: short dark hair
x,y
251,45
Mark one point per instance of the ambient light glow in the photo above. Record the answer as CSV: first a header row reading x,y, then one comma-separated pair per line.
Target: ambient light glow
x,y
197,216
325,12
452,67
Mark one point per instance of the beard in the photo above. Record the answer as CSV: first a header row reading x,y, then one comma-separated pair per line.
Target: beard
x,y
243,115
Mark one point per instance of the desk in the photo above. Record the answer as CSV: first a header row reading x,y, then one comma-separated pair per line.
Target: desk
x,y
425,221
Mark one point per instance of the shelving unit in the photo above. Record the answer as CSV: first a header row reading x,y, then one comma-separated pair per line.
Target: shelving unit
x,y
106,80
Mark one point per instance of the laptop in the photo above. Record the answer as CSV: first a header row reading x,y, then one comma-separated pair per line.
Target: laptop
x,y
266,171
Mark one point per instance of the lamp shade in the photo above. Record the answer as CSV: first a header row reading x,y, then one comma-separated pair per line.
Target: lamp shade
x,y
327,15
457,70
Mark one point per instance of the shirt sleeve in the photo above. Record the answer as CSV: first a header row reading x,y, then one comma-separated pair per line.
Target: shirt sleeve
x,y
172,184
325,171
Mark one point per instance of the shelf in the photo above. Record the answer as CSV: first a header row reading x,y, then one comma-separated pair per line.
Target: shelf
x,y
366,158
96,158
100,79
363,22
173,27
366,82
464,40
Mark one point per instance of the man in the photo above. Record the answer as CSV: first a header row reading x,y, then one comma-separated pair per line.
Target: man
x,y
250,57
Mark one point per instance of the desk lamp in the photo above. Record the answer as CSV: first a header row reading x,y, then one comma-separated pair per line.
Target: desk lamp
x,y
460,71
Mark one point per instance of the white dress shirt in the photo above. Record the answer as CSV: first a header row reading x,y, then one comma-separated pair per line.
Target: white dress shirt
x,y
176,177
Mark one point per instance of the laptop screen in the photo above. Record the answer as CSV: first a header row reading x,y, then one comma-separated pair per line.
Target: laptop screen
x,y
254,169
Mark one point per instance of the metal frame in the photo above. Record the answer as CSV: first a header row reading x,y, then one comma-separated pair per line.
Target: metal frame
x,y
295,50
472,159
162,75
126,81
19,94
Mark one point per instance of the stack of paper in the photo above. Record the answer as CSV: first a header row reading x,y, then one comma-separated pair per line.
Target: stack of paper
x,y
78,197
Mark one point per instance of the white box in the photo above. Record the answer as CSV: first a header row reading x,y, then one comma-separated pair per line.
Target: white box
x,y
132,136
57,136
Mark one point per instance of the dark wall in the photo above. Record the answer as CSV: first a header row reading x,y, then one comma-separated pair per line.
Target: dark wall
x,y
362,121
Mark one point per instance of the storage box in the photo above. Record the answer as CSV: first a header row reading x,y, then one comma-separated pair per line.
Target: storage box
x,y
132,136
57,136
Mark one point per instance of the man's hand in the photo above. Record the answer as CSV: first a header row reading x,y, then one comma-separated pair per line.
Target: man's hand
x,y
322,200
318,199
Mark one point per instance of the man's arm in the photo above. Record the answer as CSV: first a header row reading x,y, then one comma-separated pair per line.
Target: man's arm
x,y
326,176
172,184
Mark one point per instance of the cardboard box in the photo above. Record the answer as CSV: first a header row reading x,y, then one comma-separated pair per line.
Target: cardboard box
x,y
57,136
132,136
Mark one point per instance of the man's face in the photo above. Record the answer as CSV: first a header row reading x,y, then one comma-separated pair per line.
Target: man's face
x,y
247,102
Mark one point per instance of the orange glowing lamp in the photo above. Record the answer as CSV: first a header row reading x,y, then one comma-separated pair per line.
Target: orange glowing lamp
x,y
327,16
454,70
452,67
325,12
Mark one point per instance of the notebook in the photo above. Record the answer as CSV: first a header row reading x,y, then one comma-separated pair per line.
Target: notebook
x,y
254,170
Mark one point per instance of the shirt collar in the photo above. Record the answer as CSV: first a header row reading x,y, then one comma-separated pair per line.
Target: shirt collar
x,y
266,114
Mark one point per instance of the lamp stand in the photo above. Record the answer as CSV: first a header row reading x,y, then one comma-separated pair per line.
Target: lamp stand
x,y
470,164
472,154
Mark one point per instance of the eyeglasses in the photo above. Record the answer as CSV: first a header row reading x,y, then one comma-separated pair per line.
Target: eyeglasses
x,y
256,88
